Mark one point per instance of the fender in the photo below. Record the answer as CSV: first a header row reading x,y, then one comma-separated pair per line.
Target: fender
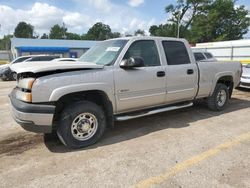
x,y
62,91
217,77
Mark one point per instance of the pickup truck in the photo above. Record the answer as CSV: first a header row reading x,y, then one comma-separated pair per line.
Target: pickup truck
x,y
117,80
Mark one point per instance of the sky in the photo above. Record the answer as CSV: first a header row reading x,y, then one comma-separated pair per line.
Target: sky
x,y
123,16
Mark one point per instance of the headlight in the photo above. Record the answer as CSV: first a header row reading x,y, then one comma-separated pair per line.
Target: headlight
x,y
26,83
24,96
23,90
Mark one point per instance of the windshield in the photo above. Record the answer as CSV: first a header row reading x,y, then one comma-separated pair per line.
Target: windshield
x,y
19,60
104,53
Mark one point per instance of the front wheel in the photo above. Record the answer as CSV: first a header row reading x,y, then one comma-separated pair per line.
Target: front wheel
x,y
13,76
219,98
81,124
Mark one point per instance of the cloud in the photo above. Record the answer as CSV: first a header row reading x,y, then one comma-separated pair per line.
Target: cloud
x,y
43,16
135,3
103,5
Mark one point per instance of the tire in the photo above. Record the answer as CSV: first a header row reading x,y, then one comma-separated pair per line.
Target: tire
x,y
13,76
4,78
219,98
81,124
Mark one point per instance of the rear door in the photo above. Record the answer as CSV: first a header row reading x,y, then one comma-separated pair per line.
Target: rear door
x,y
182,75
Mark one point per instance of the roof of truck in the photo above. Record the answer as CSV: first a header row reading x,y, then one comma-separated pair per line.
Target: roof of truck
x,y
149,37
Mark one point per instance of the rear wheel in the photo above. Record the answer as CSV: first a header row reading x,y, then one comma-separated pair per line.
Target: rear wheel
x,y
219,98
81,124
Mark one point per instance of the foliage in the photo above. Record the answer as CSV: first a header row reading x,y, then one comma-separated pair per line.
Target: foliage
x,y
224,21
204,21
5,42
44,36
73,36
24,30
139,32
58,32
166,30
99,31
115,35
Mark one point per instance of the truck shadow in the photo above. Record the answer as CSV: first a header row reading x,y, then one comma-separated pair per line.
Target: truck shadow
x,y
131,129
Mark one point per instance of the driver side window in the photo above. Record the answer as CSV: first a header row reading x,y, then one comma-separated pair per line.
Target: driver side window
x,y
145,49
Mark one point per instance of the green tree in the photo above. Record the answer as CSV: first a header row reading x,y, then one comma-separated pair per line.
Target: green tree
x,y
204,21
45,36
58,32
73,36
223,21
164,30
5,42
99,31
24,30
115,35
185,11
139,32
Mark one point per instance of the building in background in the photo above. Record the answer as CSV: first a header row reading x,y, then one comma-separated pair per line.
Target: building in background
x,y
236,50
5,56
63,48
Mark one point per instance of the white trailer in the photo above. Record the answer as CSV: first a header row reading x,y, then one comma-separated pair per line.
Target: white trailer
x,y
235,50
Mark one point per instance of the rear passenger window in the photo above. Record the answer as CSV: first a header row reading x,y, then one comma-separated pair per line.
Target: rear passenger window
x,y
145,49
208,55
199,56
48,58
176,52
35,59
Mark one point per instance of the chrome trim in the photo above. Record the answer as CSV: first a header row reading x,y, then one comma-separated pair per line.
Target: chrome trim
x,y
143,96
159,110
178,91
36,118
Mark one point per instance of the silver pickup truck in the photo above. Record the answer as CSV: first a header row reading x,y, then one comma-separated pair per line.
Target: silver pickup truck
x,y
116,80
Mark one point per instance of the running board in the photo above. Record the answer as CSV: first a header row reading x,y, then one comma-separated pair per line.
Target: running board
x,y
151,112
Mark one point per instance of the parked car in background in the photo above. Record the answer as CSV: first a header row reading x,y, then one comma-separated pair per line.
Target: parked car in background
x,y
245,77
65,59
4,67
7,74
42,58
204,56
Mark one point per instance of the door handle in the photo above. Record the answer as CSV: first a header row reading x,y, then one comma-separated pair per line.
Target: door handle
x,y
161,73
190,71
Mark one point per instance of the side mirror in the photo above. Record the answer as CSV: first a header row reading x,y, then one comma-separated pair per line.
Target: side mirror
x,y
132,62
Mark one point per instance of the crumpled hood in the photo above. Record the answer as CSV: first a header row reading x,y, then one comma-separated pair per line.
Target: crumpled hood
x,y
45,66
4,66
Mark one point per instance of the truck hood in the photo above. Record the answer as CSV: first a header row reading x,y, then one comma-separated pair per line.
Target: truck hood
x,y
46,66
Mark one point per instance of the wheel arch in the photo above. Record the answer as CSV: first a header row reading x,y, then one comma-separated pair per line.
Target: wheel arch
x,y
227,80
98,97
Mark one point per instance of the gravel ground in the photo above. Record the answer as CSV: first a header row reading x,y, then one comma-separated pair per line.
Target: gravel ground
x,y
191,147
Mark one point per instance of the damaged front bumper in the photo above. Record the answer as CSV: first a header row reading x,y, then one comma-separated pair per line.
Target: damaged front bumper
x,y
32,117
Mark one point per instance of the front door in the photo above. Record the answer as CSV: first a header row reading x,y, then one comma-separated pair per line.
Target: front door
x,y
141,87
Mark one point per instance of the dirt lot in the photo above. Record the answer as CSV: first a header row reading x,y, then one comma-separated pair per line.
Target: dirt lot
x,y
192,147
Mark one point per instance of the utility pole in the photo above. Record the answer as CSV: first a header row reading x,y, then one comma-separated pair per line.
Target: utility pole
x,y
64,30
178,24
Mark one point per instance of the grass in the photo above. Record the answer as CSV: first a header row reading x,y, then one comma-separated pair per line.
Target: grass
x,y
3,62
